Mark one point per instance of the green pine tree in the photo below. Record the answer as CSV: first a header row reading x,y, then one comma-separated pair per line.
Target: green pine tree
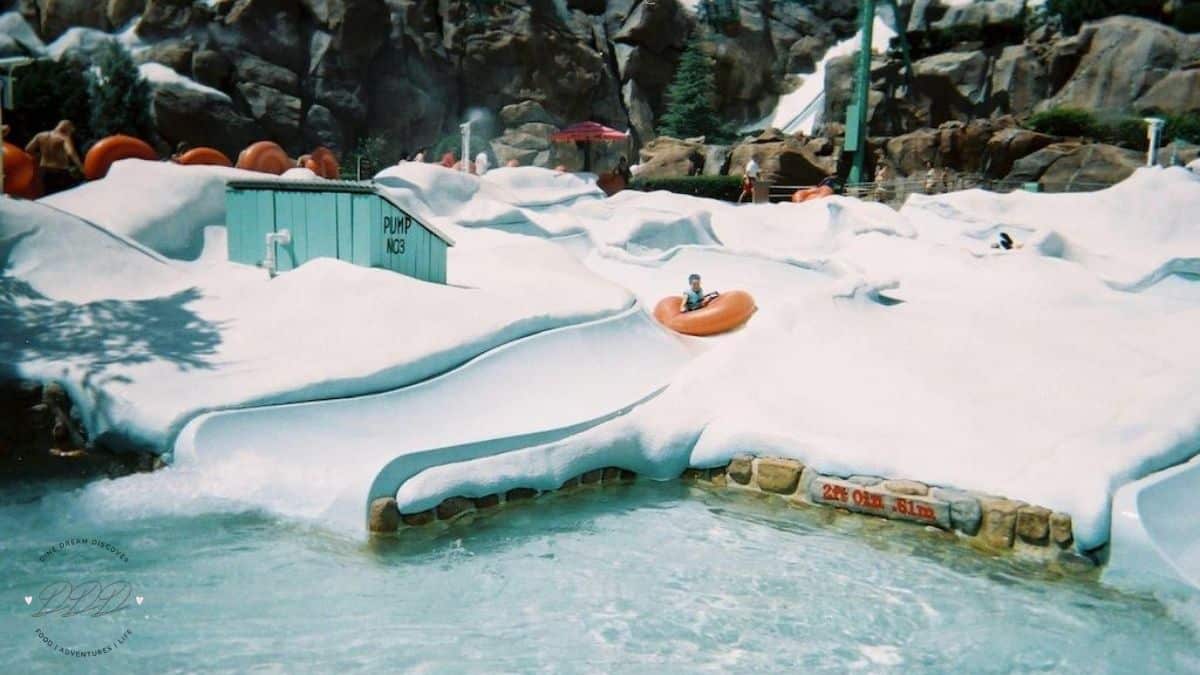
x,y
120,97
690,111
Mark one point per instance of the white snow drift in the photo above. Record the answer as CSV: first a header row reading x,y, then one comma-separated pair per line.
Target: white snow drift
x,y
1053,373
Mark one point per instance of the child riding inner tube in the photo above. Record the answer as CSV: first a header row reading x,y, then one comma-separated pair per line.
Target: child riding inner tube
x,y
723,313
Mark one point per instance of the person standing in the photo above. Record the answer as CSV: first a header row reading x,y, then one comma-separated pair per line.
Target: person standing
x,y
749,179
481,164
56,154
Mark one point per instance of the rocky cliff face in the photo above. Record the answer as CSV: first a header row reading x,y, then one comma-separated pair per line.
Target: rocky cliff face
x,y
304,72
1121,64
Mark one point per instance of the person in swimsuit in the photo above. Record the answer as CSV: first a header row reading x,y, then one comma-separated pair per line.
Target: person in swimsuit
x,y
694,297
56,154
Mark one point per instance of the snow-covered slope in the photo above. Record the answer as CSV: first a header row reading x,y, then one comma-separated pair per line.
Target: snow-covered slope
x,y
1053,373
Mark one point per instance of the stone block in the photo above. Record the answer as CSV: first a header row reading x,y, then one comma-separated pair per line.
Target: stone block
x,y
807,476
520,494
612,474
999,523
866,481
1033,524
1060,529
384,516
418,519
965,513
778,475
876,501
628,476
452,507
487,501
906,487
592,476
741,469
570,483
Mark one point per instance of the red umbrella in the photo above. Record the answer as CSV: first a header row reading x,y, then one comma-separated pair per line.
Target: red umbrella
x,y
586,132
589,131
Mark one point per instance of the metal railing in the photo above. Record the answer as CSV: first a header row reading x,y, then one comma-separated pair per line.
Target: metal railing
x,y
895,192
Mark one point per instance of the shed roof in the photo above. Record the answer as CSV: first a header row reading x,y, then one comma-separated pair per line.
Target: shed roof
x,y
322,185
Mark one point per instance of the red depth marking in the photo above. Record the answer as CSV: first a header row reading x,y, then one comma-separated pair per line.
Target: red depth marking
x,y
914,509
835,493
867,500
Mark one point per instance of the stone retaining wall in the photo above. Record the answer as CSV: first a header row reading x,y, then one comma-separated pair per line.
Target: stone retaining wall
x,y
987,522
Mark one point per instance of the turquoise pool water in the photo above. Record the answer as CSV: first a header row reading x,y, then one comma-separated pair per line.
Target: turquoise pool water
x,y
648,578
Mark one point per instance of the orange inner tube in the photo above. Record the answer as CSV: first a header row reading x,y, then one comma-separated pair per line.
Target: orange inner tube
x,y
265,157
811,193
728,311
20,173
114,148
203,157
326,162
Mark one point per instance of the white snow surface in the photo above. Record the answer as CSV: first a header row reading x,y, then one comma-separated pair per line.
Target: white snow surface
x,y
162,205
1053,373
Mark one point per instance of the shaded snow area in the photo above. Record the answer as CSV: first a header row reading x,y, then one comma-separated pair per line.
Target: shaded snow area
x,y
887,343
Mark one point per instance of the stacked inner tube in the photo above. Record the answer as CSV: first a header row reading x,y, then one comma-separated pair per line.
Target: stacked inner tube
x,y
203,157
106,151
726,312
322,162
265,157
20,173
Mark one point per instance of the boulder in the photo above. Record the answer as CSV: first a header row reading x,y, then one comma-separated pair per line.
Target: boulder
x,y
666,157
120,12
641,113
80,45
657,25
165,18
322,128
250,68
1030,168
270,29
992,15
278,112
716,160
201,118
57,16
528,143
1092,166
1075,166
909,152
175,54
964,72
17,29
805,53
1124,58
516,114
782,159
1178,92
1019,80
1008,145
778,475
210,68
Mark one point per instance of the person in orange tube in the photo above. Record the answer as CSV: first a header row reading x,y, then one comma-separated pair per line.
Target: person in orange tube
x,y
55,152
694,297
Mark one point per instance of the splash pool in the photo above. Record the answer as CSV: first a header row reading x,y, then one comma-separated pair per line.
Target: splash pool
x,y
643,578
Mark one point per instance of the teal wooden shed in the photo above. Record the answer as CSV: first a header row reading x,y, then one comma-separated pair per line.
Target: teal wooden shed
x,y
281,224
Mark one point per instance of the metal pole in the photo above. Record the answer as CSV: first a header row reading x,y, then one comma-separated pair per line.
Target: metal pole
x,y
465,129
1154,127
862,88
